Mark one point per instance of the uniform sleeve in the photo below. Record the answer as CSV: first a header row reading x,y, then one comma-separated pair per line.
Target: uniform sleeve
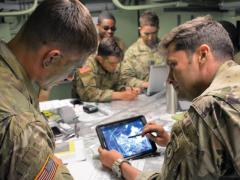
x,y
87,89
237,58
120,43
221,117
128,74
148,176
203,145
178,149
119,84
28,150
63,174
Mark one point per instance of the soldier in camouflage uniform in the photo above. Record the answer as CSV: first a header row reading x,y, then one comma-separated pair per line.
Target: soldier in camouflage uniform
x,y
204,144
143,53
38,57
99,79
106,26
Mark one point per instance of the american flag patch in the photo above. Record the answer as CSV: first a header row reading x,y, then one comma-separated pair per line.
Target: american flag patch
x,y
49,169
84,69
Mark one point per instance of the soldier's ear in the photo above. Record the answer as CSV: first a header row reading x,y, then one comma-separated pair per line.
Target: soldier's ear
x,y
51,58
203,53
139,29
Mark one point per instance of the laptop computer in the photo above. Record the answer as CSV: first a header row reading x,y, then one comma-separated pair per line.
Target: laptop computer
x,y
157,79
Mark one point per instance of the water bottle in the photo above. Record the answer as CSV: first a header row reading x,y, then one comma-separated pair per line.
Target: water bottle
x,y
171,99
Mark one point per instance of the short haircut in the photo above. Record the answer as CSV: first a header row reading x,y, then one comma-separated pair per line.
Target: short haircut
x,y
105,15
232,32
66,24
149,18
201,30
109,47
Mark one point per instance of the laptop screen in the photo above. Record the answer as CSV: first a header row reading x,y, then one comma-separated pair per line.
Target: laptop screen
x,y
157,79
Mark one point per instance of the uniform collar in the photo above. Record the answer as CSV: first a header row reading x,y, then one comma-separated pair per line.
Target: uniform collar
x,y
221,78
11,61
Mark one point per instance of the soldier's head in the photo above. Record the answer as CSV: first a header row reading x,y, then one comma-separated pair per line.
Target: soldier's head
x,y
60,33
109,54
149,26
195,50
106,24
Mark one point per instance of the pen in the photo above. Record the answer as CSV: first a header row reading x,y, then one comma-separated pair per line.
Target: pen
x,y
135,135
152,133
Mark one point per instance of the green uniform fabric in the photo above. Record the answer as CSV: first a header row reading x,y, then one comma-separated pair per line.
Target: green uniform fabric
x,y
96,84
205,144
136,63
237,58
120,43
26,140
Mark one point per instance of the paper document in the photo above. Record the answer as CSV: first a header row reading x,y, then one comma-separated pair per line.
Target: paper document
x,y
46,105
139,163
87,170
85,117
71,151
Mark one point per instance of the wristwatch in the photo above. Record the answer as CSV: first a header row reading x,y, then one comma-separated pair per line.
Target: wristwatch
x,y
116,167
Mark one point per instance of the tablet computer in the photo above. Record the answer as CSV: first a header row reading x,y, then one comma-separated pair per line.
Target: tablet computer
x,y
125,137
157,79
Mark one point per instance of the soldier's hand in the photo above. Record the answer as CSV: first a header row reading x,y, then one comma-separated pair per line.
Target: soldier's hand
x,y
144,85
107,158
156,133
138,90
129,95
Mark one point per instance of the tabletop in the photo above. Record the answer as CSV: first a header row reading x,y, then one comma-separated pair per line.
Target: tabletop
x,y
152,107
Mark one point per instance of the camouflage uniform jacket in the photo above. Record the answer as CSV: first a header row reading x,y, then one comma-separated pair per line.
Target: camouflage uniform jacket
x,y
94,83
205,145
137,59
120,43
237,58
26,140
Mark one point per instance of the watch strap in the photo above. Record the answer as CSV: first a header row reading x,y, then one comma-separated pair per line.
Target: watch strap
x,y
116,167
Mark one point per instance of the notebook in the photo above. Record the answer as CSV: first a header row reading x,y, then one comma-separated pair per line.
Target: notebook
x,y
157,79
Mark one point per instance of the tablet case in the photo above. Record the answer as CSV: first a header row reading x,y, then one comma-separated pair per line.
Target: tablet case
x,y
125,145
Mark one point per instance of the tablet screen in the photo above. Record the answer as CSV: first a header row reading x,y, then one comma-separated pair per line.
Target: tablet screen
x,y
125,137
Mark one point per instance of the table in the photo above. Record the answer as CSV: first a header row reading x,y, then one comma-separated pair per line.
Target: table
x,y
152,107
